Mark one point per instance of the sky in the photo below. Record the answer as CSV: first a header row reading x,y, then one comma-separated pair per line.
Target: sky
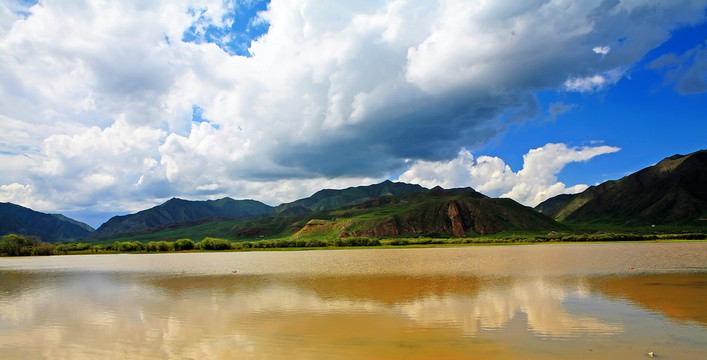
x,y
111,107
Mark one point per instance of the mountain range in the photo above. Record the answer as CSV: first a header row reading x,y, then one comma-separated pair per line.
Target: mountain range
x,y
16,219
180,211
672,191
329,199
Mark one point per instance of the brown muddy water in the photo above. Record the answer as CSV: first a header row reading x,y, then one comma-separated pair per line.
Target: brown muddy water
x,y
577,301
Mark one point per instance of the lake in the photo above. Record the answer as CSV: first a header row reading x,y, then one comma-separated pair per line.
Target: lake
x,y
573,301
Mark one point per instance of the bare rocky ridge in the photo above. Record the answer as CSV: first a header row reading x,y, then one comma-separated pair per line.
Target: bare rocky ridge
x,y
452,213
457,223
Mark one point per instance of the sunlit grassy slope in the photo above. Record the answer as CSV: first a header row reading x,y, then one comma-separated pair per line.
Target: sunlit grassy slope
x,y
437,213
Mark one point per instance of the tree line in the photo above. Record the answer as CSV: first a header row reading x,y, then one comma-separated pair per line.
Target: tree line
x,y
22,245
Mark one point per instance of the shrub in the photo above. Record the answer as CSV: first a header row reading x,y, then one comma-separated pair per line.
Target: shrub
x,y
316,243
164,246
151,246
127,246
209,243
183,244
357,241
283,243
63,248
399,242
43,249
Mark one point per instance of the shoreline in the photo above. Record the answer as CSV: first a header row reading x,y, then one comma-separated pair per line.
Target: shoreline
x,y
386,246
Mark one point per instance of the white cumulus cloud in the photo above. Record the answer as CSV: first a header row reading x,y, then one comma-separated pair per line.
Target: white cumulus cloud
x,y
534,183
97,98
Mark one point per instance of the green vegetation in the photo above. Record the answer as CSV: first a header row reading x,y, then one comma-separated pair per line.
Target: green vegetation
x,y
670,193
328,199
663,202
183,244
19,245
178,211
76,247
405,215
16,219
210,243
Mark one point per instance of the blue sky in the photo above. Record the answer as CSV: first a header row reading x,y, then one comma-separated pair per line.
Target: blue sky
x,y
112,108
644,115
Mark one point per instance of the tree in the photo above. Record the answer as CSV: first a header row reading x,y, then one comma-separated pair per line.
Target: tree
x,y
183,244
164,246
209,243
13,245
20,245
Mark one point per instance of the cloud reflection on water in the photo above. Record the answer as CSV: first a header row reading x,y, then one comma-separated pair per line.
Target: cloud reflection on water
x,y
561,301
494,307
84,315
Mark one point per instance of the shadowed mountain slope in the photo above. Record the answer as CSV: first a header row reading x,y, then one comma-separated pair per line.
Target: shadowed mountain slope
x,y
550,206
674,191
179,211
333,199
16,219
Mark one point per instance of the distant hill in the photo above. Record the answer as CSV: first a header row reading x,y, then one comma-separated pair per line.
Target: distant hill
x,y
333,199
674,191
434,213
180,211
16,219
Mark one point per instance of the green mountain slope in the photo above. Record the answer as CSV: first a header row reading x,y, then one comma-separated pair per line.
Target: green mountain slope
x,y
333,199
440,213
16,219
552,205
88,227
180,211
674,191
435,213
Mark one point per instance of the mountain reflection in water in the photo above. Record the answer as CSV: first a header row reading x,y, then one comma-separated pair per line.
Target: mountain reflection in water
x,y
64,313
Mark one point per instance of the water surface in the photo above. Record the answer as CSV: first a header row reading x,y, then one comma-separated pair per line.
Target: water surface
x,y
589,301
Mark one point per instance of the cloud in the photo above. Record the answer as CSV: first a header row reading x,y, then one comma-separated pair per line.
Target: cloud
x,y
534,183
687,71
595,82
336,92
558,108
22,194
96,163
494,308
602,50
